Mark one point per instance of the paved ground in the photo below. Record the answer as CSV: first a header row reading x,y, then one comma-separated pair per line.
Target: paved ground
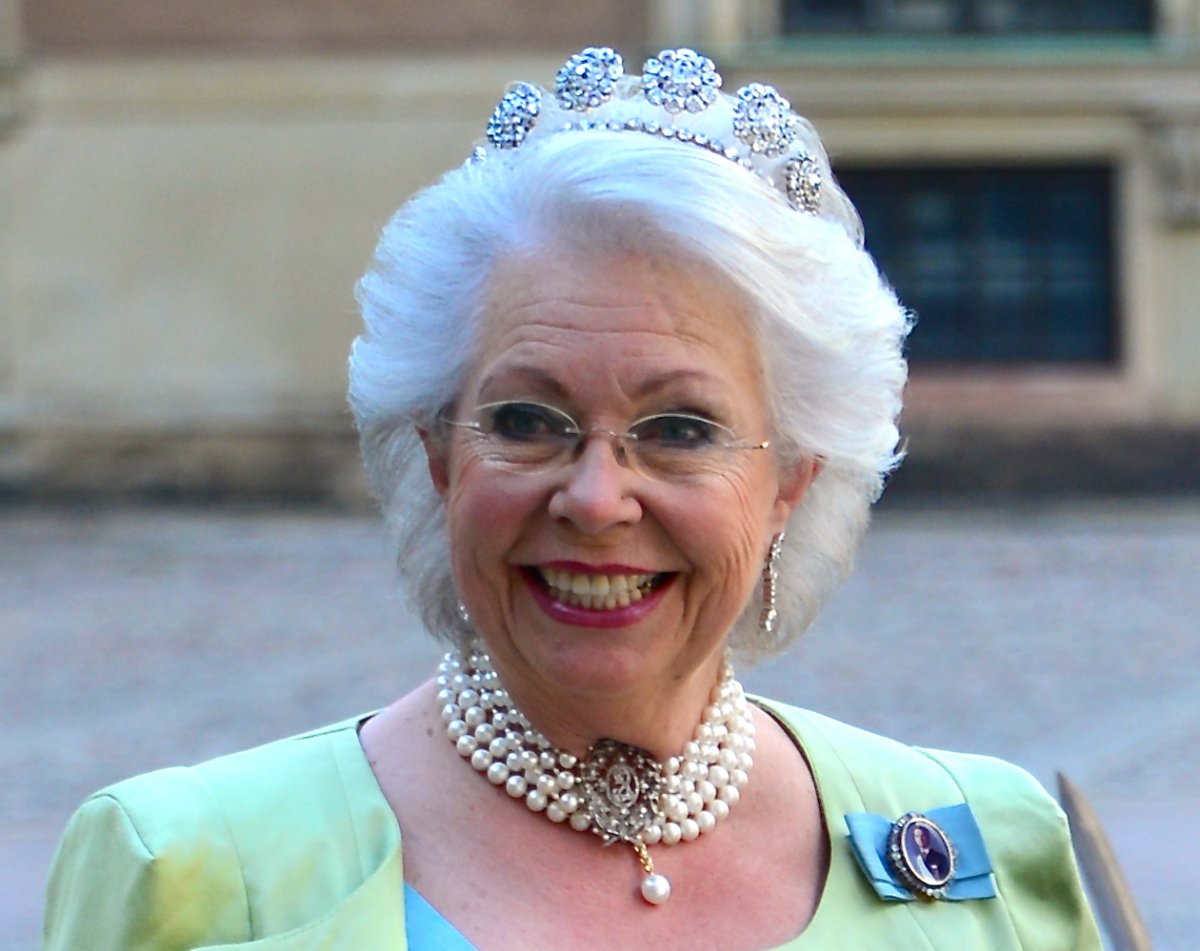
x,y
1063,638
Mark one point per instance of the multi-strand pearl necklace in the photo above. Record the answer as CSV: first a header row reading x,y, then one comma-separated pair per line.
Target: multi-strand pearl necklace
x,y
617,791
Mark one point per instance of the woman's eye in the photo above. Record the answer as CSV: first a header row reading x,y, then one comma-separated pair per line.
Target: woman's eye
x,y
525,421
677,431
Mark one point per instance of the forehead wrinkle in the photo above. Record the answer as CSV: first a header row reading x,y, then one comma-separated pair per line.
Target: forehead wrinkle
x,y
670,301
588,328
520,296
538,376
681,331
666,288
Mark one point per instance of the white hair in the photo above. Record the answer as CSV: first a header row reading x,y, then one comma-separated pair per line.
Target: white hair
x,y
830,332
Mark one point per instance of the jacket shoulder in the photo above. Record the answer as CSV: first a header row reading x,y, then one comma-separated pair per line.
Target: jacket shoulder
x,y
1029,842
197,855
1024,829
146,864
879,764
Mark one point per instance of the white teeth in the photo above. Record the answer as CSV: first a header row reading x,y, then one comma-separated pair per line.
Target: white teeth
x,y
596,591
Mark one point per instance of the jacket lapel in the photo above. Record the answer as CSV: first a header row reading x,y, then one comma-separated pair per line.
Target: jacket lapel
x,y
371,918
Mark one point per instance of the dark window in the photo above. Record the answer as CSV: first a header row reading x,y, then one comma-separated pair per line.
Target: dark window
x,y
999,264
969,16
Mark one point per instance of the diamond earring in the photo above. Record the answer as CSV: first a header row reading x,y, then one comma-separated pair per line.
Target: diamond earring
x,y
768,618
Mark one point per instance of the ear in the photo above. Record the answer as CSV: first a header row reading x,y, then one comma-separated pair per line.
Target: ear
x,y
435,459
794,481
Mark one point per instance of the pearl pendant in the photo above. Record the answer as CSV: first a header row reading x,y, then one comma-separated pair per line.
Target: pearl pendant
x,y
656,888
677,801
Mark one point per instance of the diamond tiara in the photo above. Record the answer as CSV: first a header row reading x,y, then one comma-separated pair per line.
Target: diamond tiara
x,y
677,97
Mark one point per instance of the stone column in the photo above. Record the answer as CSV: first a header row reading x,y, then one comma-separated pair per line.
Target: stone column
x,y
1174,141
10,60
1178,19
712,25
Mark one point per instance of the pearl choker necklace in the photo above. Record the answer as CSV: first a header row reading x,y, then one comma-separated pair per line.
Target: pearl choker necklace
x,y
619,792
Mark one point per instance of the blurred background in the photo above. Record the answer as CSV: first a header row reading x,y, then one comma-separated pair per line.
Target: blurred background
x,y
188,192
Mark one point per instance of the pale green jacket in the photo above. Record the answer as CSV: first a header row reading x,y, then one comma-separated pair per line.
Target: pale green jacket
x,y
292,846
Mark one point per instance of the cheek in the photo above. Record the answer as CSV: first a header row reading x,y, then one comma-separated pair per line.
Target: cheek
x,y
728,529
484,510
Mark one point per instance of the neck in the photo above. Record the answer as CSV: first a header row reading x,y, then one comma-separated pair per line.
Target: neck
x,y
617,790
653,719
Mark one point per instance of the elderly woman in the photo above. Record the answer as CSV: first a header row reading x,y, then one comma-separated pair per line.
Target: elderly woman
x,y
627,388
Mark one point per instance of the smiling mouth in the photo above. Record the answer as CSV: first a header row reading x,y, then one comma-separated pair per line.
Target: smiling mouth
x,y
597,592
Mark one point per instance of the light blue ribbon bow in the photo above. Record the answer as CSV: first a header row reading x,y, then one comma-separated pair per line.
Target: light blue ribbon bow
x,y
973,868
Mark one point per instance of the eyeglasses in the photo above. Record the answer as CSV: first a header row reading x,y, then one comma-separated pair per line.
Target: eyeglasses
x,y
525,435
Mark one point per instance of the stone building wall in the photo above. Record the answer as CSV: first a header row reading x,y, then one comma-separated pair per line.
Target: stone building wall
x,y
320,27
189,191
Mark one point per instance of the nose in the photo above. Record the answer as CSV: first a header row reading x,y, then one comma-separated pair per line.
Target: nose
x,y
595,491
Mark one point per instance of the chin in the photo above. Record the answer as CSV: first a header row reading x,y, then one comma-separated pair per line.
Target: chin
x,y
595,664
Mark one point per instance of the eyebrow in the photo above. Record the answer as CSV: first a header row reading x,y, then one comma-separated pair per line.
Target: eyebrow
x,y
545,382
528,374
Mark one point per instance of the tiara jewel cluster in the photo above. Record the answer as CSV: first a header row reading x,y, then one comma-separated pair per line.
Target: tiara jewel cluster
x,y
679,83
764,120
515,116
681,80
588,79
